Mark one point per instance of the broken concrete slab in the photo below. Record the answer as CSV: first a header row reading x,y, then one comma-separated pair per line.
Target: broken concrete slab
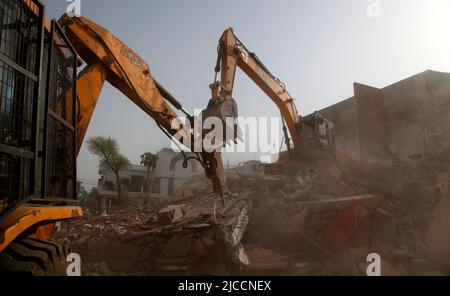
x,y
170,215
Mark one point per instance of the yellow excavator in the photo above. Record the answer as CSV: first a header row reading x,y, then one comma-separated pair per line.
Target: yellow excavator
x,y
38,132
46,108
109,59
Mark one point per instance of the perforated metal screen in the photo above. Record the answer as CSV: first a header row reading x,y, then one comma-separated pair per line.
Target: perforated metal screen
x,y
21,24
60,136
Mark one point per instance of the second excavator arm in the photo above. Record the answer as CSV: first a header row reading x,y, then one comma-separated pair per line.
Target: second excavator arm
x,y
233,54
109,59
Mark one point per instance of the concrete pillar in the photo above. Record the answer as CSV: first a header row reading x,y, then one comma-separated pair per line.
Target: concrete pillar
x,y
370,110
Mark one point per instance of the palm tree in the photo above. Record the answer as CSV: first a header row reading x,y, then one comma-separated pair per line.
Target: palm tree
x,y
149,160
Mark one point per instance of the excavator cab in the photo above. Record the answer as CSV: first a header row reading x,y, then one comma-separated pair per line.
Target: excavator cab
x,y
317,132
317,145
38,113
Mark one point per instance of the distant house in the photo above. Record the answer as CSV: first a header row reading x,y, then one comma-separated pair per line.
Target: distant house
x,y
169,173
132,179
168,176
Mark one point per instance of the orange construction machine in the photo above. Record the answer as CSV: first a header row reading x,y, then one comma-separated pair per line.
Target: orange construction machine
x,y
45,110
38,134
46,107
306,139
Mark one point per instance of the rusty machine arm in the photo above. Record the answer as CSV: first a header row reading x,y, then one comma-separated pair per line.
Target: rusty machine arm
x,y
109,59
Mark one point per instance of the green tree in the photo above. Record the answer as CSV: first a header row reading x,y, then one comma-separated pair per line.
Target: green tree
x,y
108,152
149,160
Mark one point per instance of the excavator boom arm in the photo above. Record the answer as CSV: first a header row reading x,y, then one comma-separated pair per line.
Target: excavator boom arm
x,y
233,54
109,59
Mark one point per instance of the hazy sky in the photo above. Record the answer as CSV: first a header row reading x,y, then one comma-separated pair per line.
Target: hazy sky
x,y
319,48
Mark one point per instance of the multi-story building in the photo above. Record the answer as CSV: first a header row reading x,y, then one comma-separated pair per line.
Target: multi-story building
x,y
406,120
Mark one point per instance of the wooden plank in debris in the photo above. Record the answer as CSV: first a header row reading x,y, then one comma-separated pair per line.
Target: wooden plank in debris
x,y
149,232
339,200
330,204
197,226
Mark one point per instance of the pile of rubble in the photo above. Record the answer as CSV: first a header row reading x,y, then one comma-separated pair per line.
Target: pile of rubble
x,y
326,219
97,238
167,236
123,219
323,220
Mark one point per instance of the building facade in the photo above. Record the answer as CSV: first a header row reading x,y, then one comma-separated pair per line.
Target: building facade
x,y
406,120
133,181
169,174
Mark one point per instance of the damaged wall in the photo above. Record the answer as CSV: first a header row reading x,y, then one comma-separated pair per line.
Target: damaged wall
x,y
345,119
406,120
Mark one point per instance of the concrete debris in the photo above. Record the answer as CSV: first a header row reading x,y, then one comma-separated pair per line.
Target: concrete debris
x,y
178,246
262,262
184,194
162,237
323,219
170,215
